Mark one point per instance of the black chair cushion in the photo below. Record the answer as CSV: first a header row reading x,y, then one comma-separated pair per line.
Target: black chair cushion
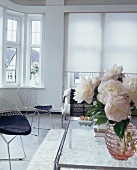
x,y
14,125
46,108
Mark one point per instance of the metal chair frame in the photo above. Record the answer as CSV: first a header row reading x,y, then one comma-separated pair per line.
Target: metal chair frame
x,y
28,97
9,109
9,157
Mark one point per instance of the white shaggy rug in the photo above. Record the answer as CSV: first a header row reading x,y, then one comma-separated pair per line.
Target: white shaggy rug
x,y
46,153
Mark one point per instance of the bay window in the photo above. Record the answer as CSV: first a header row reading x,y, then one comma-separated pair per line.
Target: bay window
x,y
22,50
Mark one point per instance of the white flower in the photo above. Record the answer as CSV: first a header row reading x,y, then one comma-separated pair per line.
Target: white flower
x,y
117,108
113,73
95,81
109,88
84,91
35,68
113,95
130,83
35,65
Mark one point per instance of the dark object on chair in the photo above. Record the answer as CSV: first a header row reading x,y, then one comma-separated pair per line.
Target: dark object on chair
x,y
28,96
74,108
12,122
77,109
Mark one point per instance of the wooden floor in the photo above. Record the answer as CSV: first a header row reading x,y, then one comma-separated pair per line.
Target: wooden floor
x,y
31,143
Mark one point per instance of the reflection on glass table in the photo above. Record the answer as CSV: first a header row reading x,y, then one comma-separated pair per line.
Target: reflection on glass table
x,y
80,149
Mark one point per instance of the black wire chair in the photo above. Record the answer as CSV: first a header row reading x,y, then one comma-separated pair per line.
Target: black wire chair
x,y
13,123
28,97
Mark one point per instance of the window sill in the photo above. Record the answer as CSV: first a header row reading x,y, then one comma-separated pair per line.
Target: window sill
x,y
16,87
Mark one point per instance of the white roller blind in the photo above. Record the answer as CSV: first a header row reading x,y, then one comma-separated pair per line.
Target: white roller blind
x,y
120,41
84,42
97,41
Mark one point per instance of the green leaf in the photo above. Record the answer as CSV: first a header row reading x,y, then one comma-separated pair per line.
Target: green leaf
x,y
111,122
134,111
95,92
120,127
131,104
101,120
95,111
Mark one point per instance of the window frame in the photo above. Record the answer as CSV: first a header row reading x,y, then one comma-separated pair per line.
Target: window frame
x,y
13,44
31,18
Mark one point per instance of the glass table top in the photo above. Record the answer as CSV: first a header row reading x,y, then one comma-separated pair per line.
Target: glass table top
x,y
80,149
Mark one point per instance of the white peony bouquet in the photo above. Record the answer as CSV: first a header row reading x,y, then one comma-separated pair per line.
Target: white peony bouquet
x,y
114,98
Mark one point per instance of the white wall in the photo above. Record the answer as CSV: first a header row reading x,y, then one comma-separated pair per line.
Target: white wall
x,y
54,47
54,54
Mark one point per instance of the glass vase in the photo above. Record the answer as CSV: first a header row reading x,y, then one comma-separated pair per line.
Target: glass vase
x,y
121,149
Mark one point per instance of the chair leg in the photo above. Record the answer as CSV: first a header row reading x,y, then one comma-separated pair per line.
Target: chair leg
x,y
38,122
22,148
9,157
51,120
62,117
38,127
31,121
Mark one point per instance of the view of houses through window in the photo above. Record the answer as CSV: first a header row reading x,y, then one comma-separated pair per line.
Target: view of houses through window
x,y
11,50
11,64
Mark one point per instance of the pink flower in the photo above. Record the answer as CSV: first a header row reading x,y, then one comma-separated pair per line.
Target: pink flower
x,y
117,108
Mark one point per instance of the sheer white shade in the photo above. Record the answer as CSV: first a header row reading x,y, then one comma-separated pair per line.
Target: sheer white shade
x,y
120,41
83,61
84,42
97,41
